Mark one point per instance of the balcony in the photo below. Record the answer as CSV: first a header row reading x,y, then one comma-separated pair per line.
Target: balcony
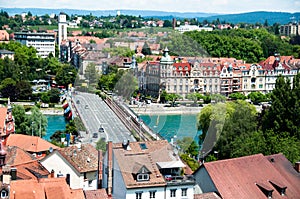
x,y
179,180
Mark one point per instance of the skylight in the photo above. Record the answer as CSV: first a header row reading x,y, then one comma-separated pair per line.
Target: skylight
x,y
143,146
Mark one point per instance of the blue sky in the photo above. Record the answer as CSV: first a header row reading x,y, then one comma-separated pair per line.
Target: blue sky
x,y
207,6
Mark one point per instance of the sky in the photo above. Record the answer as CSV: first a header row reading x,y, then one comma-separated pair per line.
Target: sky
x,y
206,6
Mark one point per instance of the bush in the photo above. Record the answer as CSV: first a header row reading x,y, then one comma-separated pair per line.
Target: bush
x,y
193,164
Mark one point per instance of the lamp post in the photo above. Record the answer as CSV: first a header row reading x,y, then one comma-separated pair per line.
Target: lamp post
x,y
32,128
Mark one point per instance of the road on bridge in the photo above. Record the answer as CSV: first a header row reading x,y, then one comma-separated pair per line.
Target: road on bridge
x,y
95,113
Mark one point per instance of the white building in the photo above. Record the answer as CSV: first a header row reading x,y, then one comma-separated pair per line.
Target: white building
x,y
78,164
44,43
187,27
144,170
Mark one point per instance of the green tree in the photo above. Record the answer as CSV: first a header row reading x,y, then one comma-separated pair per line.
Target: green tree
x,y
23,90
66,75
172,97
91,74
18,112
54,95
126,84
237,95
8,88
36,123
146,49
101,145
167,23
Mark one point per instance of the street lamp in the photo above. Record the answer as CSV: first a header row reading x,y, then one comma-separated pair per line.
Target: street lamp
x,y
32,128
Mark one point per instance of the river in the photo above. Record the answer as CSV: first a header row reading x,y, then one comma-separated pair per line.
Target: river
x,y
168,126
165,125
55,123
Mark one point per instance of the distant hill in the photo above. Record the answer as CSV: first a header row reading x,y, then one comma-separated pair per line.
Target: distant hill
x,y
250,17
143,13
253,17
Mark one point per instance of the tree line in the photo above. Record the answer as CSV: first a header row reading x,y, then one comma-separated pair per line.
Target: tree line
x,y
235,128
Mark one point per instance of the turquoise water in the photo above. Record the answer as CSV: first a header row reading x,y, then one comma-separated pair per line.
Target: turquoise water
x,y
55,123
169,125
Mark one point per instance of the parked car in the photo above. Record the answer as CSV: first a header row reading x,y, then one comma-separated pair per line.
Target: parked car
x,y
101,130
95,135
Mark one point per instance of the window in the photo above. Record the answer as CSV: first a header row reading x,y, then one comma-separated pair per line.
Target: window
x,y
184,192
142,177
3,194
152,194
173,193
138,195
260,86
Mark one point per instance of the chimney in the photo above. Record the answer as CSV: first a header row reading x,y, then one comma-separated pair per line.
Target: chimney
x,y
109,168
68,179
52,174
6,177
297,167
13,173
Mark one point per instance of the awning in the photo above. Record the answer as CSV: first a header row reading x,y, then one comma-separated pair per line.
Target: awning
x,y
171,164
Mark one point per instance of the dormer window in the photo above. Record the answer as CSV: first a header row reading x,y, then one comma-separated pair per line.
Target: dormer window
x,y
142,177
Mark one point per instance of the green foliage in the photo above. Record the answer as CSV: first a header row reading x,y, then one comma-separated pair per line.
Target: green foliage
x,y
91,74
172,97
119,51
8,88
36,122
18,112
66,75
101,145
257,97
126,84
146,49
23,90
236,96
193,164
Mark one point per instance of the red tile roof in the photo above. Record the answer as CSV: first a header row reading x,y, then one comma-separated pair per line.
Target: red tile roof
x,y
210,195
44,188
134,158
28,167
96,194
84,159
237,177
33,144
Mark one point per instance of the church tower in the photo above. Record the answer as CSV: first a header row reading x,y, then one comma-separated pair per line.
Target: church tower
x,y
62,28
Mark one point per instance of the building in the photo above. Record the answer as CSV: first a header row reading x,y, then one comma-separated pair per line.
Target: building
x,y
79,164
255,176
187,27
148,169
8,54
44,43
7,125
34,145
4,36
290,29
62,28
44,188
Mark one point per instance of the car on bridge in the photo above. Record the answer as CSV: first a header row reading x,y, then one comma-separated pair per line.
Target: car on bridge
x,y
95,135
101,130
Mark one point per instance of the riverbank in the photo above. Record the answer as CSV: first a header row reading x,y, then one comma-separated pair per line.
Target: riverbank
x,y
161,109
52,111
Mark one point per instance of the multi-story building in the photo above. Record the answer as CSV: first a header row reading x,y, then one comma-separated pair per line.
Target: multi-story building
x,y
149,169
275,66
290,29
44,43
253,78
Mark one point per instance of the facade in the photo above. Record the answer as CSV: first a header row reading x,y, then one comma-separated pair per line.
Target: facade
x,y
7,53
290,29
7,125
143,170
256,176
44,43
62,28
79,164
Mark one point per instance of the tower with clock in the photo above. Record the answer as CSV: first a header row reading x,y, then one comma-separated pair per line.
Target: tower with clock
x,y
9,121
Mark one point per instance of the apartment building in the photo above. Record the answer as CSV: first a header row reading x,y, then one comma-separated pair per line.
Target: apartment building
x,y
44,43
290,29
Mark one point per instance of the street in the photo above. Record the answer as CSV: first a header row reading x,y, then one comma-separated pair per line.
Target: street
x,y
95,114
